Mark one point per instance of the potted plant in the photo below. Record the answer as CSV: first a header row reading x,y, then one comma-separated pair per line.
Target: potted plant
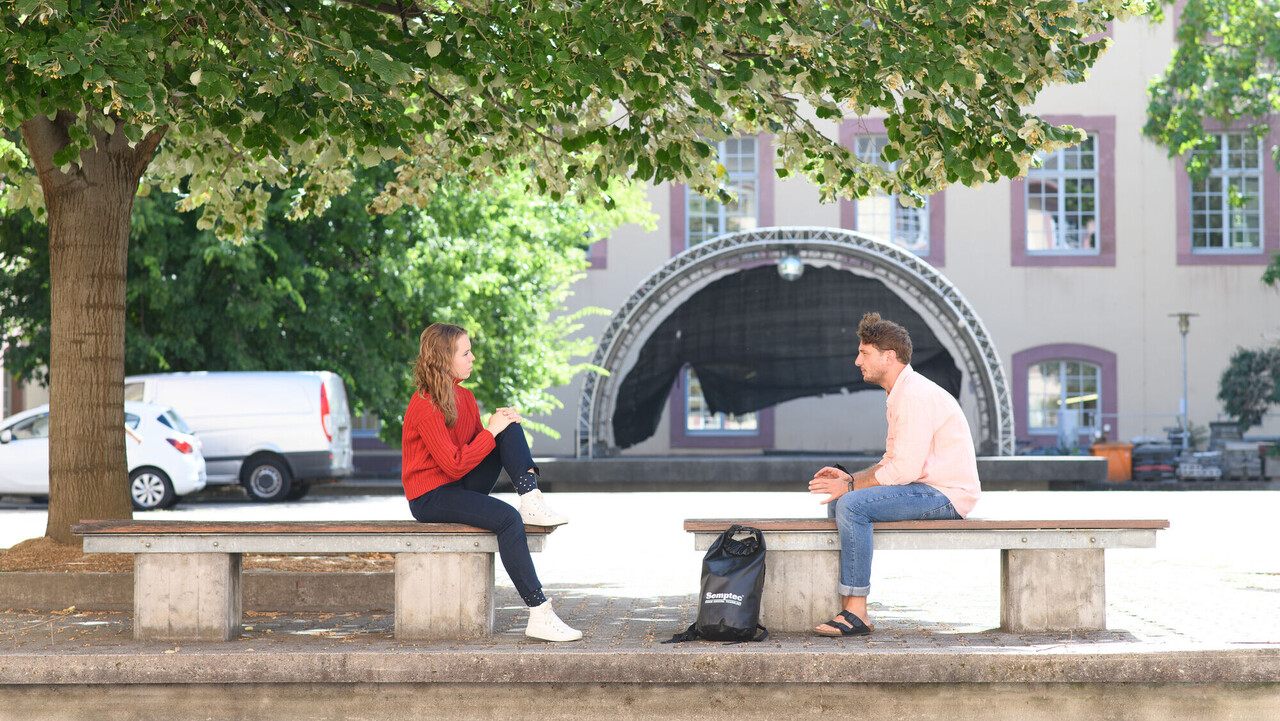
x,y
1250,385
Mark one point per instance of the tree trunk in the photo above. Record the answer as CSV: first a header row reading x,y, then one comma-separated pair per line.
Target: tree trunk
x,y
89,208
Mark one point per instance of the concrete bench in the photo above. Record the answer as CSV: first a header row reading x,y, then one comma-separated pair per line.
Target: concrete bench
x,y
187,573
1052,574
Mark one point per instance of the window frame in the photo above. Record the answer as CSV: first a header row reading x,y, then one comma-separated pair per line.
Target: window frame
x,y
1108,407
1270,193
1103,129
687,378
850,131
1061,176
677,209
896,209
1062,374
1225,174
722,210
679,437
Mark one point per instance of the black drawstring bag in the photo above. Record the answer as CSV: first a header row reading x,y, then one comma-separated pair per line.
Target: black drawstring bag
x,y
732,581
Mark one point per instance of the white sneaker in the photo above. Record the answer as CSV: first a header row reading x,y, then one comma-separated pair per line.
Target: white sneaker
x,y
534,511
545,625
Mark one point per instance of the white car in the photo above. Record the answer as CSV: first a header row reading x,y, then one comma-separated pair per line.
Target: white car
x,y
165,459
273,432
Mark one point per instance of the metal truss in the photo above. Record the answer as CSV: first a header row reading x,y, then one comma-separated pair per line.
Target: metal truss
x,y
911,277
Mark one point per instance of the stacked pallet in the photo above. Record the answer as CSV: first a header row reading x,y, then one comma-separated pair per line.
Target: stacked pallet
x,y
1155,462
1241,461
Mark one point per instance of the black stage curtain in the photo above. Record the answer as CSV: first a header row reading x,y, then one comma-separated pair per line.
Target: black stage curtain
x,y
756,340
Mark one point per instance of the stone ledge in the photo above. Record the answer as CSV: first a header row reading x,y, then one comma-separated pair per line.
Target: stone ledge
x,y
646,702
681,665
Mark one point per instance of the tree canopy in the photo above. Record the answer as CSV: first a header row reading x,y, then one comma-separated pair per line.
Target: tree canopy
x,y
1224,69
252,95
344,291
224,102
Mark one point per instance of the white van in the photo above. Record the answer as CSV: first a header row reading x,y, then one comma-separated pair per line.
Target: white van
x,y
273,432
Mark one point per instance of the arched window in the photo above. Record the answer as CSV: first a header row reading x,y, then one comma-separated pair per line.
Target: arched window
x,y
1063,394
699,420
1063,383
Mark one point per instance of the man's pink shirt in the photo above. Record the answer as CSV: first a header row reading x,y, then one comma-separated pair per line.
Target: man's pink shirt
x,y
929,442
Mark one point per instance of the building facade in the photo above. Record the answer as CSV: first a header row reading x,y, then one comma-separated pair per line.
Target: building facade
x,y
1076,271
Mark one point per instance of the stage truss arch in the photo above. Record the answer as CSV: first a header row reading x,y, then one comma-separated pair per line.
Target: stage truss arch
x,y
917,282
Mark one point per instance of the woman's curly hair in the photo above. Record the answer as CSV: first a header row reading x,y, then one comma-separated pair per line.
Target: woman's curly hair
x,y
433,371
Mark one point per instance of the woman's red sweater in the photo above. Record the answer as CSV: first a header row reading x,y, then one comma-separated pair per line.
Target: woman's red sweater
x,y
433,454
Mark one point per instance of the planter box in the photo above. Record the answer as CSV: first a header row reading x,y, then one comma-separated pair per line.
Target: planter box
x,y
1271,468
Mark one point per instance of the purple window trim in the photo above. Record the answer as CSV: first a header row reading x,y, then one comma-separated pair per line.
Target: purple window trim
x,y
599,255
1023,360
765,175
1108,33
1270,207
1104,127
851,130
681,438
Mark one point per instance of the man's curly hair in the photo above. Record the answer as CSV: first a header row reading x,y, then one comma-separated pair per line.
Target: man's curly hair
x,y
885,335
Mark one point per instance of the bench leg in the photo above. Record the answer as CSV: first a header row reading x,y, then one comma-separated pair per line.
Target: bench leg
x,y
1052,590
444,596
799,590
186,596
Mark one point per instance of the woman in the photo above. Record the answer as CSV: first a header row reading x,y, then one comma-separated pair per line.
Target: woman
x,y
451,462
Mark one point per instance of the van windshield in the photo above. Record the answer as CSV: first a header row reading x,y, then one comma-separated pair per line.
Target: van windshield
x,y
174,421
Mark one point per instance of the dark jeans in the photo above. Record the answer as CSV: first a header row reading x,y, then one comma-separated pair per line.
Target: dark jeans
x,y
467,500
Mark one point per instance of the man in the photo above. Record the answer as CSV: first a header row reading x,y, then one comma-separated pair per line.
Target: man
x,y
929,469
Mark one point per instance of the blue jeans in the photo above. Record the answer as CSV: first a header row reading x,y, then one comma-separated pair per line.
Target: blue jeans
x,y
467,500
856,511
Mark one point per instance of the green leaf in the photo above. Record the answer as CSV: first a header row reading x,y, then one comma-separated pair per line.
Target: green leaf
x,y
388,70
68,154
705,101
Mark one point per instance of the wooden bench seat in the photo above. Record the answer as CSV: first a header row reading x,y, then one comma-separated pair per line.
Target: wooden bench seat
x,y
187,573
1052,572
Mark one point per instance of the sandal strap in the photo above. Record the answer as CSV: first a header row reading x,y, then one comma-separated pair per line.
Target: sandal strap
x,y
841,626
854,621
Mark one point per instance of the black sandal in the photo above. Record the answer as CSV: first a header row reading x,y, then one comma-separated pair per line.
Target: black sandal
x,y
850,626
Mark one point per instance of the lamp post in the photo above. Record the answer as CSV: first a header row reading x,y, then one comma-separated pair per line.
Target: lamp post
x,y
1184,324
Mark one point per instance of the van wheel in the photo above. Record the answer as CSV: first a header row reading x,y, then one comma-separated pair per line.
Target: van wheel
x,y
298,491
267,480
150,488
